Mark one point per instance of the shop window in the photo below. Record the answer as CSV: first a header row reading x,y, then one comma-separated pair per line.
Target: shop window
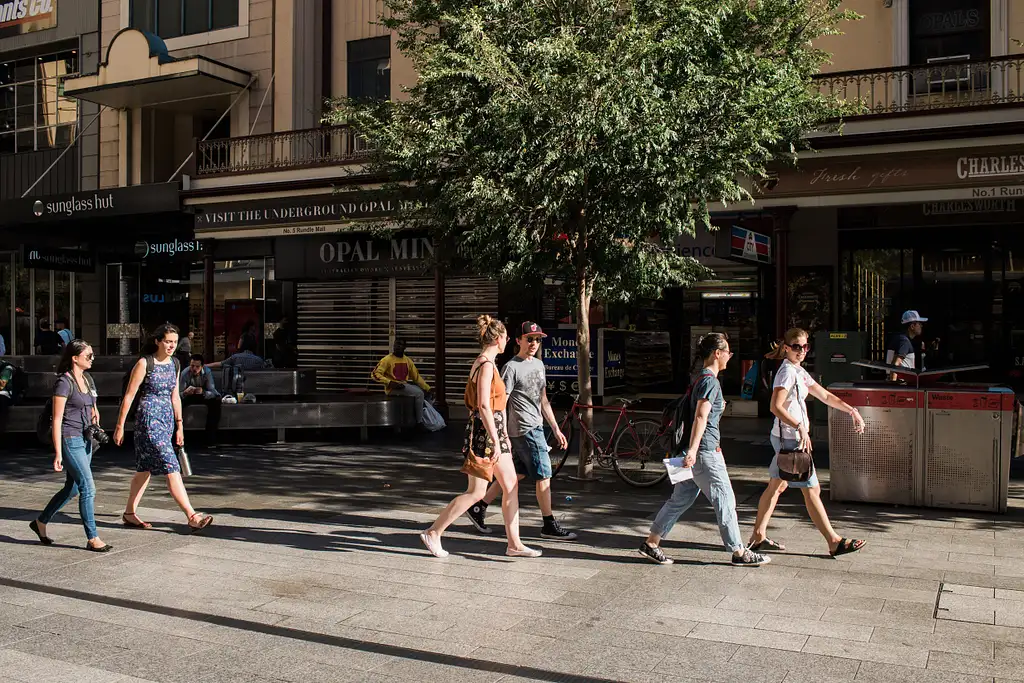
x,y
7,300
175,18
34,114
369,68
944,33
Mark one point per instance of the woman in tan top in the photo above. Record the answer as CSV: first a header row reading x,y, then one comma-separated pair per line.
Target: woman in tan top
x,y
487,437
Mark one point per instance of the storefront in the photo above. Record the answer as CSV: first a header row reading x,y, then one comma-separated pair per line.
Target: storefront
x,y
350,292
934,230
104,263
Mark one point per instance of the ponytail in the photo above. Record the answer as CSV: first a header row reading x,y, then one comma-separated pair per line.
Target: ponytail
x,y
707,345
778,351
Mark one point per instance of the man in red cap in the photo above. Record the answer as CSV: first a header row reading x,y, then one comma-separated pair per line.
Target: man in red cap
x,y
528,408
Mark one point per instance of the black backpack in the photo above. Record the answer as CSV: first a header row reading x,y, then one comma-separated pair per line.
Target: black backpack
x,y
44,423
679,415
150,364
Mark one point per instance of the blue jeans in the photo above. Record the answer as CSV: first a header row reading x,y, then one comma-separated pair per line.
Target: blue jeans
x,y
710,477
77,456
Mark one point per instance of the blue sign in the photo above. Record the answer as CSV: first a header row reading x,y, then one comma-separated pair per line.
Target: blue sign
x,y
559,355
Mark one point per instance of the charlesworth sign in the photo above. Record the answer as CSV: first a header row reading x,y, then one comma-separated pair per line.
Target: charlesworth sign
x,y
989,173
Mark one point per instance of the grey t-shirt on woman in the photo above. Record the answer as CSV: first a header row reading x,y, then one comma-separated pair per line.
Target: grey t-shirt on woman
x,y
78,409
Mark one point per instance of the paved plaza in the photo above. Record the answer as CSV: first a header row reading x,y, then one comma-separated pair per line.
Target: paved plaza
x,y
313,572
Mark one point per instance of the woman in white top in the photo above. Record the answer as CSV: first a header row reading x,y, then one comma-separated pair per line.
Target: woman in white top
x,y
791,432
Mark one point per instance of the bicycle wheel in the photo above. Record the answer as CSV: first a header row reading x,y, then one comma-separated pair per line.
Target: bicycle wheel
x,y
638,453
559,455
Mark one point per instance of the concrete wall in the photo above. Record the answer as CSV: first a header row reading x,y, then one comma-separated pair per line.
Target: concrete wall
x,y
355,20
1015,25
865,44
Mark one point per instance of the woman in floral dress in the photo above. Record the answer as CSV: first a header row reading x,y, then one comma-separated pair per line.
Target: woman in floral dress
x,y
158,426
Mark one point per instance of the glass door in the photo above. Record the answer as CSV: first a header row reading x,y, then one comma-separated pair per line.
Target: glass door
x,y
955,294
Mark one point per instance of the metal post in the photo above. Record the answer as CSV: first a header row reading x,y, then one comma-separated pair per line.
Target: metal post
x,y
208,299
32,323
440,386
123,310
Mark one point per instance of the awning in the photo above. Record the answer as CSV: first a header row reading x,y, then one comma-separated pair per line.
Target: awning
x,y
139,72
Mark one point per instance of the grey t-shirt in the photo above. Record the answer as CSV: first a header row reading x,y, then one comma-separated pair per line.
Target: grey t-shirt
x,y
525,381
708,388
78,409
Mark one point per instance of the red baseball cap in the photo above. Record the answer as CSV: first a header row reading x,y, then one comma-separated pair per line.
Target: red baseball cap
x,y
531,328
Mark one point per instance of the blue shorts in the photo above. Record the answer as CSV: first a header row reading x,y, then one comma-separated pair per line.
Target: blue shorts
x,y
531,454
773,469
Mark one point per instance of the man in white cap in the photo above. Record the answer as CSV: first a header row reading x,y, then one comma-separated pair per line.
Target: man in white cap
x,y
902,349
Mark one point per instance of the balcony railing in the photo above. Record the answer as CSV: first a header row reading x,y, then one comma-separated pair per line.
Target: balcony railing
x,y
308,148
938,86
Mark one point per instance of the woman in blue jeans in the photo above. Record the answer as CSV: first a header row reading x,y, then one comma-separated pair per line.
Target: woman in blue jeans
x,y
74,409
704,455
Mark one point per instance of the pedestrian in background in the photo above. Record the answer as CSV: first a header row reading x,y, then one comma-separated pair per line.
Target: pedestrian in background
x,y
74,409
487,447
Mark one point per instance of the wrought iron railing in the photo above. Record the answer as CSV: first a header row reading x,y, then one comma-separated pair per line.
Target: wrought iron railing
x,y
311,147
937,86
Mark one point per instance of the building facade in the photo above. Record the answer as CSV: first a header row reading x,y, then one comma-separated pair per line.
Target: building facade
x,y
202,189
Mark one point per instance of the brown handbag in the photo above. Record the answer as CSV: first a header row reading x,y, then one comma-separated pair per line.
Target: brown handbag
x,y
474,465
795,465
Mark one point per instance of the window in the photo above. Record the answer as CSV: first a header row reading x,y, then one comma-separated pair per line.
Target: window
x,y
949,29
175,18
369,68
34,114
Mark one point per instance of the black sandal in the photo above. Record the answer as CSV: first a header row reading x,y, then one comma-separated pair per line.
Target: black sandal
x,y
845,546
101,549
34,526
767,544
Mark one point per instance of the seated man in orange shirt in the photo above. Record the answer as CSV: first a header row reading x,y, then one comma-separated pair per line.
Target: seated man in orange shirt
x,y
399,375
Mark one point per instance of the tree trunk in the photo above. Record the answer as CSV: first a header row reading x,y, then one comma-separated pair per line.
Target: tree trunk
x,y
584,288
585,468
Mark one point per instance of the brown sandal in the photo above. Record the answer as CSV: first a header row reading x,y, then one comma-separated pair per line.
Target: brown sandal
x,y
204,521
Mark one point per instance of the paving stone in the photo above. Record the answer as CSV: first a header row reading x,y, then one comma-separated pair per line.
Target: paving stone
x,y
868,652
874,672
975,666
821,666
739,635
934,642
710,615
886,620
785,609
812,627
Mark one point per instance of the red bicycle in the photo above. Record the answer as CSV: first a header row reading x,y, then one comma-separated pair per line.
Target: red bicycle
x,y
634,448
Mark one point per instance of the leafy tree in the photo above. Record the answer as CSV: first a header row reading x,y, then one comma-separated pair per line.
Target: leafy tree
x,y
581,138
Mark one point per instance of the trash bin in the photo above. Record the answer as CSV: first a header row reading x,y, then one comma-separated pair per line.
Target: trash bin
x,y
877,466
969,436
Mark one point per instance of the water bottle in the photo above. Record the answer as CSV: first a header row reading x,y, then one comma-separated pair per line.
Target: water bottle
x,y
240,385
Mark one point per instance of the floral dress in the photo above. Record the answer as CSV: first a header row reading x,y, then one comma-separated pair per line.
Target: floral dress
x,y
154,422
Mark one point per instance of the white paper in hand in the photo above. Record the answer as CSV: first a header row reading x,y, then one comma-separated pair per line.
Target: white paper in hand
x,y
676,471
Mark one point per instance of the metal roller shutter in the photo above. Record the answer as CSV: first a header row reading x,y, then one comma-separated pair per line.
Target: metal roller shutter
x,y
346,327
464,299
343,330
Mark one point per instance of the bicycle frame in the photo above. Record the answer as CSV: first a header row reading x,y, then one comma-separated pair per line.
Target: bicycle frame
x,y
623,411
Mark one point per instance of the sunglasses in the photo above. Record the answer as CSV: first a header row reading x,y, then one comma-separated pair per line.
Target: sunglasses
x,y
533,340
800,347
90,356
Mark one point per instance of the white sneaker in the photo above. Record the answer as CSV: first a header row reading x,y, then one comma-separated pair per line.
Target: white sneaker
x,y
433,546
525,552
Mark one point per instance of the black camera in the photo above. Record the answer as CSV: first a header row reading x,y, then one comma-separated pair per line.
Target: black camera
x,y
96,433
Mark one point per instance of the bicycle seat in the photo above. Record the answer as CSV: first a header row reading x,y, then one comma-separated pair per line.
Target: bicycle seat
x,y
627,401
